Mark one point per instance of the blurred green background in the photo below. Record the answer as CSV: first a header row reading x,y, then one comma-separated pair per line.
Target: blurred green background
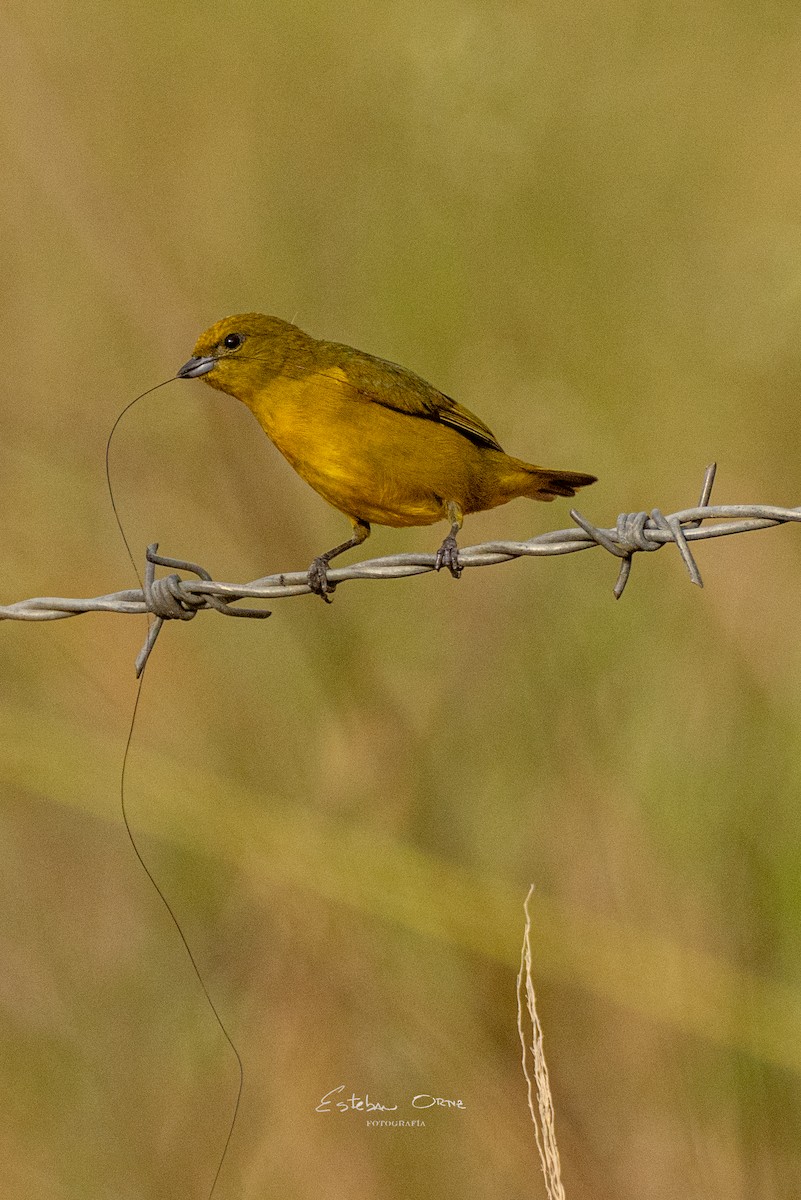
x,y
584,222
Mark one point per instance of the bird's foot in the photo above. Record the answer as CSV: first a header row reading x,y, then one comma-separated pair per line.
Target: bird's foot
x,y
448,556
318,579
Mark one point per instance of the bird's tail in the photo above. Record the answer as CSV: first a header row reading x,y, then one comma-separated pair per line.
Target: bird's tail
x,y
543,484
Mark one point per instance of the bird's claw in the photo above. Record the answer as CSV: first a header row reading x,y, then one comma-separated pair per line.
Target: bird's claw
x,y
448,556
318,579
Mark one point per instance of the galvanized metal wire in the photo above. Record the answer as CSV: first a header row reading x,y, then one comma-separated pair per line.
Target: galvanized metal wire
x,y
175,598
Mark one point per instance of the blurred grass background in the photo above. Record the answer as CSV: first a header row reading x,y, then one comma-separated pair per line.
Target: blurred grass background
x,y
584,222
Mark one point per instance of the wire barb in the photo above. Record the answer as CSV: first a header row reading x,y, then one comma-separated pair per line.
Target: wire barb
x,y
632,534
176,598
167,599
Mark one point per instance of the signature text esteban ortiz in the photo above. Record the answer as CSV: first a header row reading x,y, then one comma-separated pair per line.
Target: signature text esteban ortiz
x,y
337,1101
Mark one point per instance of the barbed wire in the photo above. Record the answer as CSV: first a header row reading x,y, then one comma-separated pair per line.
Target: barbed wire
x,y
174,598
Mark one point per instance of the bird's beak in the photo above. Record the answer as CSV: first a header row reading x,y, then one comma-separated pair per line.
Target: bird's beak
x,y
195,367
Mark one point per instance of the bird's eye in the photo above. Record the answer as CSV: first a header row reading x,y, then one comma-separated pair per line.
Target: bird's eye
x,y
232,342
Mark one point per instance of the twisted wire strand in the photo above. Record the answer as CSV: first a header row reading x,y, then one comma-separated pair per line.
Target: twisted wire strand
x,y
175,597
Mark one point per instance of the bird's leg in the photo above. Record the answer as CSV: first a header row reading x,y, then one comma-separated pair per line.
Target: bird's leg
x,y
448,553
318,571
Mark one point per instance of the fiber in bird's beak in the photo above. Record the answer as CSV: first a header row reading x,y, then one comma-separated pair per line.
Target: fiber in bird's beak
x,y
195,367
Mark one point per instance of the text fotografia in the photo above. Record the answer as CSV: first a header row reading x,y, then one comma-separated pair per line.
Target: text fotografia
x,y
337,1101
396,1123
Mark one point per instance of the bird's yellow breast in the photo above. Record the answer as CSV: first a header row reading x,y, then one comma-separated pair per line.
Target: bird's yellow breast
x,y
367,460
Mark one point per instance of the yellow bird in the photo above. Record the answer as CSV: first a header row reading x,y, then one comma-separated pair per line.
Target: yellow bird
x,y
375,440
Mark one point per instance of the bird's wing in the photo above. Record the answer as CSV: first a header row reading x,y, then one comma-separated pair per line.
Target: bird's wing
x,y
393,386
461,419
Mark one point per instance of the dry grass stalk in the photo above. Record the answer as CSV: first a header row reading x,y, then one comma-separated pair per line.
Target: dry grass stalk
x,y
542,1114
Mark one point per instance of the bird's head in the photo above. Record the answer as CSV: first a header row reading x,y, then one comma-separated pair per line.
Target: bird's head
x,y
240,354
